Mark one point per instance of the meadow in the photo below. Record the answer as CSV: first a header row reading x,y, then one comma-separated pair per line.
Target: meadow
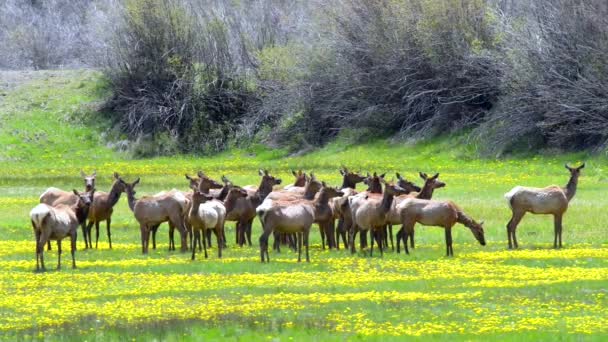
x,y
48,133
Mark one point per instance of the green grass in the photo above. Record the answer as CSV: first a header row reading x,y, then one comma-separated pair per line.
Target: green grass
x,y
48,134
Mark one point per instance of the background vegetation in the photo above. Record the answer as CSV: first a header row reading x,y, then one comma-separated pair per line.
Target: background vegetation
x,y
199,77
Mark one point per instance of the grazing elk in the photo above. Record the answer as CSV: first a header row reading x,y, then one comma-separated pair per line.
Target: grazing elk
x,y
443,214
55,223
370,214
293,216
204,215
151,211
552,200
54,196
430,184
102,208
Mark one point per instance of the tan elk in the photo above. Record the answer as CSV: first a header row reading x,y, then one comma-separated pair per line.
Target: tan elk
x,y
56,223
444,214
349,207
299,183
102,208
370,214
151,211
54,196
394,217
292,216
204,215
552,200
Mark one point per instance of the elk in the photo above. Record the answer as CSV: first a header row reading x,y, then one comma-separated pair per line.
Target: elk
x,y
394,217
151,211
293,216
54,196
443,214
184,198
370,214
204,215
210,187
348,208
55,223
244,210
552,200
102,208
349,183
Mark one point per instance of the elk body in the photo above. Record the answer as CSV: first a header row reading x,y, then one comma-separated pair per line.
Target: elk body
x,y
55,223
102,208
150,211
552,200
394,217
293,216
54,196
443,214
349,183
370,214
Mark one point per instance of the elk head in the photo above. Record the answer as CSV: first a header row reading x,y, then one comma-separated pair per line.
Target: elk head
x,y
477,230
374,183
267,182
431,182
300,178
407,185
89,181
575,171
205,183
350,179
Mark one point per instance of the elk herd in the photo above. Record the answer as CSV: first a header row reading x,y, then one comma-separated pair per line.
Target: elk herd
x,y
287,214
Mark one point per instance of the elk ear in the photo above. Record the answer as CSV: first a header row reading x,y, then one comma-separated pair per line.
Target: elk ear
x,y
294,173
423,175
312,176
342,172
398,176
368,175
116,176
82,174
136,181
75,192
323,183
375,174
581,167
266,172
260,172
435,176
567,167
94,173
481,222
382,175
225,180
188,177
201,174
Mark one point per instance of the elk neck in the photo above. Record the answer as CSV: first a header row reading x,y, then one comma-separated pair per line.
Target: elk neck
x,y
464,219
570,189
132,200
114,195
426,192
346,183
387,201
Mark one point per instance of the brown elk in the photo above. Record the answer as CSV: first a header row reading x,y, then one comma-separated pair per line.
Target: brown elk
x,y
210,187
394,217
443,214
55,223
151,211
208,213
102,208
244,210
299,182
349,183
370,214
348,208
293,216
552,200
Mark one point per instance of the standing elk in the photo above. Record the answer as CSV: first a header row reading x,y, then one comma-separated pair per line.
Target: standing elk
x,y
552,200
55,223
430,184
298,184
392,216
349,207
292,216
102,208
54,196
349,183
370,214
204,215
151,211
244,210
444,214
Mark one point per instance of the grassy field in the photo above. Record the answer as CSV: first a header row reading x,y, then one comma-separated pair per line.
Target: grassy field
x,y
535,293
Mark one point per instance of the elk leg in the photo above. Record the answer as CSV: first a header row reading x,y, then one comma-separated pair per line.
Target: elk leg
x,y
404,235
306,236
448,241
371,233
73,248
58,254
299,246
399,236
142,229
390,235
338,233
557,223
220,242
171,237
194,239
87,235
322,231
331,241
411,234
248,230
153,229
48,246
108,222
206,238
512,227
